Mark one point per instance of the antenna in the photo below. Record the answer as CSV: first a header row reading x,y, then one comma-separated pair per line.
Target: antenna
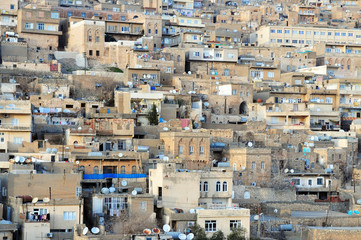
x,y
166,228
124,183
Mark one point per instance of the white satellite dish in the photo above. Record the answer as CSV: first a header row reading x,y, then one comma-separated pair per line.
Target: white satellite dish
x,y
256,217
54,150
134,192
22,159
186,128
190,236
243,168
312,138
112,189
17,159
48,150
77,162
292,171
120,155
166,228
105,190
124,183
286,170
46,200
35,200
85,230
276,210
165,129
249,144
95,230
192,211
182,236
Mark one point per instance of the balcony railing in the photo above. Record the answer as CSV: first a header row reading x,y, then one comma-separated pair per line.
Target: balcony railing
x,y
113,175
15,127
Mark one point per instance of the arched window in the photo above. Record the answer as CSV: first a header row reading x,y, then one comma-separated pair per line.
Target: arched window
x,y
200,186
122,169
96,170
90,37
205,187
82,168
225,187
218,186
134,169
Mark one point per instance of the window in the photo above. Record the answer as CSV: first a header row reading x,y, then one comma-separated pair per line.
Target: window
x,y
200,186
273,31
143,206
210,226
329,33
83,14
343,34
270,74
337,34
110,17
294,32
319,181
29,26
323,33
310,182
301,32
253,165
70,14
279,31
294,41
262,165
50,28
234,224
18,140
230,55
279,40
96,170
287,31
201,150
205,187
226,72
116,203
234,91
180,150
191,150
12,6
196,54
149,31
90,52
225,187
97,53
122,170
315,33
68,216
169,69
54,15
296,182
218,186
134,169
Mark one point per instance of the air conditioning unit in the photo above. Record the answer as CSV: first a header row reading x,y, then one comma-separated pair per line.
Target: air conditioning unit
x,y
49,235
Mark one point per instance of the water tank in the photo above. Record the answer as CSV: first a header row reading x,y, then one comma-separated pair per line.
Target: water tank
x,y
285,227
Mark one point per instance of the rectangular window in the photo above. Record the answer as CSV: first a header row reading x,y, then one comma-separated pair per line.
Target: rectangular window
x,y
294,41
122,18
12,6
54,15
196,54
323,33
180,150
296,182
230,55
70,14
294,32
234,224
169,69
68,216
315,33
83,14
287,31
97,53
40,26
279,31
329,33
270,74
273,31
343,34
279,40
110,17
234,91
29,26
18,140
201,150
253,165
310,182
319,181
301,32
262,165
210,226
308,32
90,52
143,206
337,34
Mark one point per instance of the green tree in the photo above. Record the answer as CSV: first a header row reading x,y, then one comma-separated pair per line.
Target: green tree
x,y
153,116
237,234
219,235
199,232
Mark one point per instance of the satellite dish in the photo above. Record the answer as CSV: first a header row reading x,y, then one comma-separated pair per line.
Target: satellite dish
x,y
312,138
243,168
95,230
120,155
249,144
292,171
286,170
134,192
275,211
147,231
22,159
166,228
192,211
182,236
112,189
165,129
17,159
77,162
156,230
186,128
48,150
124,183
356,212
256,217
46,200
190,236
85,230
11,160
28,160
54,150
35,200
105,190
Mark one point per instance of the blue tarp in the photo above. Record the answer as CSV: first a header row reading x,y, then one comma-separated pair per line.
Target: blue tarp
x,y
112,175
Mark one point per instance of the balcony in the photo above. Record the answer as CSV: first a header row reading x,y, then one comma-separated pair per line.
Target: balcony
x,y
113,175
11,127
291,112
331,113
